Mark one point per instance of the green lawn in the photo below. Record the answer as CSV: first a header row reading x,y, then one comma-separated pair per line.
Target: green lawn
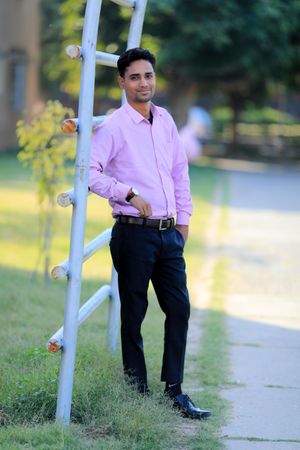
x,y
106,414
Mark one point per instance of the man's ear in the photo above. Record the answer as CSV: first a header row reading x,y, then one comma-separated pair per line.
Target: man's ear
x,y
121,81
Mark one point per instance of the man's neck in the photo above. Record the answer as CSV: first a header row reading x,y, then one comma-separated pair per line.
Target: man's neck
x,y
142,108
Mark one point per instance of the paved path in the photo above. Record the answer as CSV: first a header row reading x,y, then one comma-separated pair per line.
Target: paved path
x,y
263,306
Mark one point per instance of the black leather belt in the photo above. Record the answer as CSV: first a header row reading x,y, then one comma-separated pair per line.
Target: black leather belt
x,y
159,224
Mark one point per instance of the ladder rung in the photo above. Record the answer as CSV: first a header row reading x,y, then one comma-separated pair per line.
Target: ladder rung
x,y
67,198
55,343
127,3
71,125
73,51
62,269
106,59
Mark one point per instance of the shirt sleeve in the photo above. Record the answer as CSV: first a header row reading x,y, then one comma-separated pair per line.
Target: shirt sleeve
x,y
180,175
103,150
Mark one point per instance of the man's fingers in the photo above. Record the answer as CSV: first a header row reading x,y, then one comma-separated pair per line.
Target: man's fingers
x,y
148,210
142,206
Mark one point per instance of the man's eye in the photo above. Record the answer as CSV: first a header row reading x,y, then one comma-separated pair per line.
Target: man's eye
x,y
149,75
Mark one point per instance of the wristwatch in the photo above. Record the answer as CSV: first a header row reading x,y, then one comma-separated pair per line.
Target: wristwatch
x,y
132,193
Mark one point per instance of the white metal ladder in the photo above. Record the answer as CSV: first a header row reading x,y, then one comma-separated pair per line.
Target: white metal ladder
x,y
65,338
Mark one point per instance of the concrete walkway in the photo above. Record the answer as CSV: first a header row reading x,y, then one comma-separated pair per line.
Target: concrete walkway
x,y
263,306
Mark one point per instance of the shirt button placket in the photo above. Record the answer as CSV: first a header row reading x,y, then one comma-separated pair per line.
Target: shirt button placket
x,y
156,153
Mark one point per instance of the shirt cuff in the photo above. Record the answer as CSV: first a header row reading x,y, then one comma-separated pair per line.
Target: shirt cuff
x,y
121,192
183,218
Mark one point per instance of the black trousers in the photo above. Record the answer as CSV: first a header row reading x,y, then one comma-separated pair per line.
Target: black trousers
x,y
141,254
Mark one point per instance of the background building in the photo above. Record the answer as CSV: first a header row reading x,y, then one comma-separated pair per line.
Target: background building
x,y
19,66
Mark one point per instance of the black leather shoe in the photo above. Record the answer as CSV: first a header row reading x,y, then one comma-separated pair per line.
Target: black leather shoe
x,y
188,409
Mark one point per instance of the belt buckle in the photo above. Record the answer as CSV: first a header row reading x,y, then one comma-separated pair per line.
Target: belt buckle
x,y
161,227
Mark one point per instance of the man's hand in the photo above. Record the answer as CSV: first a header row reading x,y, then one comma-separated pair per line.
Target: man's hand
x,y
184,230
142,206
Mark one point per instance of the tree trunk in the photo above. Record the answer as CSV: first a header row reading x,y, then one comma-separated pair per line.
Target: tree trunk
x,y
235,121
236,102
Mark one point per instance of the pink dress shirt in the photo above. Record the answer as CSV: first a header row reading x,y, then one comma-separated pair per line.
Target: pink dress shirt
x,y
127,151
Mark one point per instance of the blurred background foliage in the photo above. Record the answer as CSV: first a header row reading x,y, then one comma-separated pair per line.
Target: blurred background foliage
x,y
240,60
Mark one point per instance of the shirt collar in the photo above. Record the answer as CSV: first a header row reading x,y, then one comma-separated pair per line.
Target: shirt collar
x,y
135,115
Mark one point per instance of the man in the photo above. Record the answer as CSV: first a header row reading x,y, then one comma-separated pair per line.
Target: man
x,y
138,163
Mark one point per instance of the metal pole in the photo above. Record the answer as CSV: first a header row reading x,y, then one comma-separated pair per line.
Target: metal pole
x,y
89,39
136,24
135,30
134,40
113,314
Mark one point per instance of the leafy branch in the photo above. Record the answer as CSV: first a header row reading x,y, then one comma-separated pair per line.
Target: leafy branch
x,y
46,152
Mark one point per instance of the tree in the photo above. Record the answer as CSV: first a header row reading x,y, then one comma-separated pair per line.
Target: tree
x,y
293,72
232,46
206,46
62,25
51,37
46,152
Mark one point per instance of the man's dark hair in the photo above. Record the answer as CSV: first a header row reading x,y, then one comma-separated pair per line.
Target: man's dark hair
x,y
134,54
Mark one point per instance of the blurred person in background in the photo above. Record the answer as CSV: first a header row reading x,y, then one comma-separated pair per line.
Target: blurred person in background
x,y
197,130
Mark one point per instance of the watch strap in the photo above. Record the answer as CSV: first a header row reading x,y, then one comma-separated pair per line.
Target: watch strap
x,y
130,195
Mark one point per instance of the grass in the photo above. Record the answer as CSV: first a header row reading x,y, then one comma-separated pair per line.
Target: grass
x,y
213,361
214,364
106,413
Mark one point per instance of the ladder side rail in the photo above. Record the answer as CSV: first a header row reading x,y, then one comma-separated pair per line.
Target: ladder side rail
x,y
134,39
90,32
135,30
113,318
136,24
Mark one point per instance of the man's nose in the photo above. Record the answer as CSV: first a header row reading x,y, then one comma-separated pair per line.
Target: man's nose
x,y
144,81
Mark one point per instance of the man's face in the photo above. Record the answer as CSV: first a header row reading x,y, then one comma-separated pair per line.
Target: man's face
x,y
138,82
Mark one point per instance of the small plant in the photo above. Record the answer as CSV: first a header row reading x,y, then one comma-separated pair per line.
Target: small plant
x,y
46,151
